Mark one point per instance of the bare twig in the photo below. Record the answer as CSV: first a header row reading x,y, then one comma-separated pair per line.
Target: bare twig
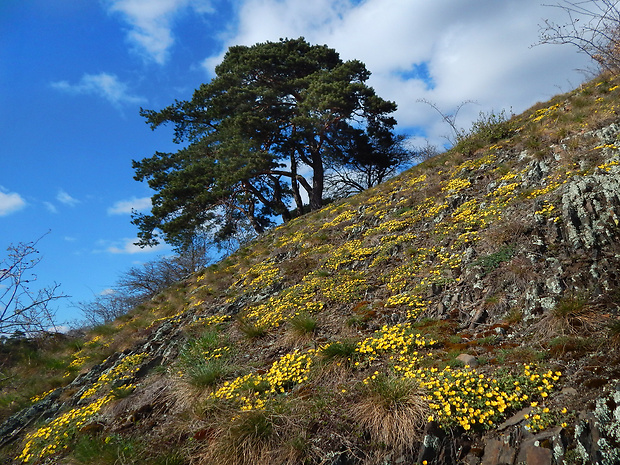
x,y
21,308
593,26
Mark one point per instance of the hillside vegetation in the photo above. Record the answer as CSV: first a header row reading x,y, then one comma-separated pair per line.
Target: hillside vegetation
x,y
466,311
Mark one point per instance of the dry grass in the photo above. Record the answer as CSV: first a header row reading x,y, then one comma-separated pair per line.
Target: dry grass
x,y
570,317
273,435
393,412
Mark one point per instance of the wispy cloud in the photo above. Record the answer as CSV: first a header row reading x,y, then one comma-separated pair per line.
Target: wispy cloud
x,y
151,23
50,207
123,207
10,202
128,246
65,198
104,85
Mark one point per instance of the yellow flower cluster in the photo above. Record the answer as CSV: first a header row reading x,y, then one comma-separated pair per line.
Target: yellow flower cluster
x,y
544,190
508,176
456,185
543,112
467,237
345,287
416,305
388,245
398,239
212,320
266,315
259,276
470,216
471,400
416,180
294,300
78,360
449,259
121,372
196,303
344,216
474,164
174,317
218,352
546,209
433,210
41,396
505,191
607,146
391,226
428,208
289,370
397,280
55,436
607,166
287,240
347,253
398,339
541,418
405,298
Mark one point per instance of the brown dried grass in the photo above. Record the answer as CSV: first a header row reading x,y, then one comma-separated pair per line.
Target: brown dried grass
x,y
393,411
570,317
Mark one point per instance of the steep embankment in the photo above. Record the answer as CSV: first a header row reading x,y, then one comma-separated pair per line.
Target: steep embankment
x,y
464,311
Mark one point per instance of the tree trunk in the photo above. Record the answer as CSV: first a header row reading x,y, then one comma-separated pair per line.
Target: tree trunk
x,y
255,224
279,204
318,181
295,186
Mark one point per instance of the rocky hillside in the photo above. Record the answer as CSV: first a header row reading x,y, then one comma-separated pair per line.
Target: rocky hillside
x,y
464,312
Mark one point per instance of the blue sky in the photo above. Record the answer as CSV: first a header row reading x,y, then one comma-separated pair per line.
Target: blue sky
x,y
74,73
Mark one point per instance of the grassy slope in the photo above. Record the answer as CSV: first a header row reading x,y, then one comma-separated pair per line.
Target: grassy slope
x,y
341,330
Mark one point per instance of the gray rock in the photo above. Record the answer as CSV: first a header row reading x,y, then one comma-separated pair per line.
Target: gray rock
x,y
468,360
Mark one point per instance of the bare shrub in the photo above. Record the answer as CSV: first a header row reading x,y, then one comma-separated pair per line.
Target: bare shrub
x,y
141,283
593,26
23,309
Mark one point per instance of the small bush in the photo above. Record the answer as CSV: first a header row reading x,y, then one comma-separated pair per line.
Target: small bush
x,y
514,316
248,438
339,350
571,316
105,450
487,129
494,260
204,360
561,345
252,330
205,373
303,324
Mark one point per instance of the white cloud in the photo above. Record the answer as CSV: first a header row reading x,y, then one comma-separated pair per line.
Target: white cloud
x,y
151,23
127,206
103,85
50,207
65,198
480,51
10,202
128,246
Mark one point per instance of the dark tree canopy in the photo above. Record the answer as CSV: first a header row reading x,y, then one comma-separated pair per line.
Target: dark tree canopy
x,y
263,134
